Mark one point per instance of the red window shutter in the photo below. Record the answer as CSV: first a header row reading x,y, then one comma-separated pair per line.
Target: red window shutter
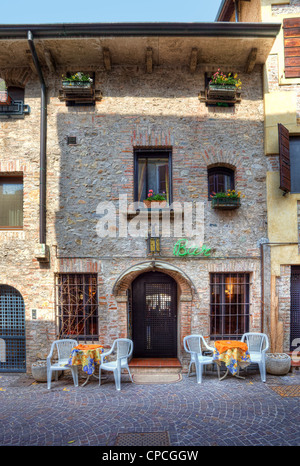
x,y
284,158
291,34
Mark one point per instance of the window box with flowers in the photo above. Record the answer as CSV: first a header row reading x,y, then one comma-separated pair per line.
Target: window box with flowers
x,y
226,201
78,88
155,200
223,88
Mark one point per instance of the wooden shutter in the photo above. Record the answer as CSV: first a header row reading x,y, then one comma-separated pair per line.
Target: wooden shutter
x,y
291,34
284,158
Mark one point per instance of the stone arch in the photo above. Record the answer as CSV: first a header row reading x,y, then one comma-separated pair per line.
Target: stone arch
x,y
186,293
186,287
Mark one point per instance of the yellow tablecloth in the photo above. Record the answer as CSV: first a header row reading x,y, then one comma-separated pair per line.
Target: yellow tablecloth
x,y
87,356
233,353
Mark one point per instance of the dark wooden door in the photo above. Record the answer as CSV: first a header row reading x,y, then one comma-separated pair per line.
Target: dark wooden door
x,y
154,316
295,307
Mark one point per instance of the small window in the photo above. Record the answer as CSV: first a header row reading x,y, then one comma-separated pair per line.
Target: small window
x,y
152,171
71,140
220,179
229,305
11,202
77,306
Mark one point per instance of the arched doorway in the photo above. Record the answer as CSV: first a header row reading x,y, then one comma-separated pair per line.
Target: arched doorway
x,y
12,330
154,315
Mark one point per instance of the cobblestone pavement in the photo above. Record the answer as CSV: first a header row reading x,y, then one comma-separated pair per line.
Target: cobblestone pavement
x,y
229,412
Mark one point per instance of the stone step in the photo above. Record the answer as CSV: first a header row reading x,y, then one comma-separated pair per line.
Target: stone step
x,y
155,365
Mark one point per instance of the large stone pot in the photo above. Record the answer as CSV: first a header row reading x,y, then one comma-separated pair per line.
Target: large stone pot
x,y
278,363
39,371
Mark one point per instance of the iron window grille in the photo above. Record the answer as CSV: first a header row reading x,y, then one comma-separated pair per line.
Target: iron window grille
x,y
229,305
77,306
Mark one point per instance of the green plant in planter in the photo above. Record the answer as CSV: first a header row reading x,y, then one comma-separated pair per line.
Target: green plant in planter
x,y
221,79
155,197
230,194
78,77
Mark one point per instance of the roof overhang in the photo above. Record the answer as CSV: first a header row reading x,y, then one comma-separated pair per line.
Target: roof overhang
x,y
170,43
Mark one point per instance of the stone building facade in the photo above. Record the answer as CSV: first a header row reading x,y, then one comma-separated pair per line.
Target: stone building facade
x,y
84,279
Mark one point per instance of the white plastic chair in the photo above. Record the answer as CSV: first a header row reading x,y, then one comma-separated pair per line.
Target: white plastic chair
x,y
192,345
258,344
64,348
123,347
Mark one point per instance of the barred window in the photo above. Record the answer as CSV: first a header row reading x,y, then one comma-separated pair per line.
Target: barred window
x,y
229,305
77,306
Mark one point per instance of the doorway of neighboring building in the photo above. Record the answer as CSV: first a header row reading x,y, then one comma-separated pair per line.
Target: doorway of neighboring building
x,y
12,330
295,308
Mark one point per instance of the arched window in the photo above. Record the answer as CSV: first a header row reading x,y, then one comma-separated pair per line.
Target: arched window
x,y
12,330
220,179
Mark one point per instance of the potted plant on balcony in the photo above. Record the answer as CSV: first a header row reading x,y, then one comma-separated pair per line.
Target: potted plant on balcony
x,y
226,201
155,200
223,86
78,81
5,99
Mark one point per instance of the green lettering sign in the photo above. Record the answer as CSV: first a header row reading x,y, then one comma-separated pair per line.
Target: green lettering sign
x,y
181,249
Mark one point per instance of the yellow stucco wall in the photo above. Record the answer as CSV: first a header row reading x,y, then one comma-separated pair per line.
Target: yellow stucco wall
x,y
282,224
280,107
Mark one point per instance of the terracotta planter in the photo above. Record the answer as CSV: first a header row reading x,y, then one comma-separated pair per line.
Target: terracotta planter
x,y
226,203
84,88
278,363
155,204
76,84
5,99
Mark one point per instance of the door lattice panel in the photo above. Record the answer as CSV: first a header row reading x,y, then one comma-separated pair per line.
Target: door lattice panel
x,y
12,330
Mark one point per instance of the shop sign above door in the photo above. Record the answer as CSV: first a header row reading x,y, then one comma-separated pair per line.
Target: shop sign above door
x,y
182,248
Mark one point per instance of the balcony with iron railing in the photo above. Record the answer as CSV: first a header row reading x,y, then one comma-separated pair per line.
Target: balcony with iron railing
x,y
10,108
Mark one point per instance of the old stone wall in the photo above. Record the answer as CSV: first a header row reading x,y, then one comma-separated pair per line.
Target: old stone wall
x,y
161,109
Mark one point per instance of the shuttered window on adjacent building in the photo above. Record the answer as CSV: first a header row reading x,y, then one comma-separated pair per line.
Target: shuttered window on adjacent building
x,y
289,160
284,158
291,34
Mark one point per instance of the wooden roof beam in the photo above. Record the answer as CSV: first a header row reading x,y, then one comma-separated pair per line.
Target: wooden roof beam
x,y
149,60
50,62
251,60
193,60
107,59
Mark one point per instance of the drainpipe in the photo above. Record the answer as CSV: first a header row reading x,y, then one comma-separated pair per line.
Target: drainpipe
x,y
43,140
236,8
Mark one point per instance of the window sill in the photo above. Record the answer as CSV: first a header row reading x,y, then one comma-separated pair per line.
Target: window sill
x,y
147,212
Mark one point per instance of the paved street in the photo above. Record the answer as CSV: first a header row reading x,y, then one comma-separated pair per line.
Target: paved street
x,y
231,412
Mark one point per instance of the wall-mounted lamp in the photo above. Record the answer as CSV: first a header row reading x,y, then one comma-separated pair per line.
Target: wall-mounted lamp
x,y
153,244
